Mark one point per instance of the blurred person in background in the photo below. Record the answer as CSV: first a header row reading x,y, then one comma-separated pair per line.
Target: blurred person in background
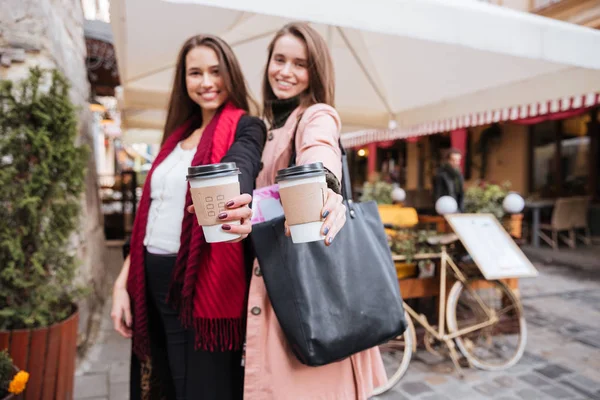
x,y
449,181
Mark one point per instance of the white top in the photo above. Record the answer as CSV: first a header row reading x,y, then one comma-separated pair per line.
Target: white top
x,y
168,190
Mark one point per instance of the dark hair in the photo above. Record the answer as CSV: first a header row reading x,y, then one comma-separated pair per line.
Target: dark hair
x,y
181,106
452,151
321,79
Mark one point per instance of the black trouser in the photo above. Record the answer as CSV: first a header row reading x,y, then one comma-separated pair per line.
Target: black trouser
x,y
196,374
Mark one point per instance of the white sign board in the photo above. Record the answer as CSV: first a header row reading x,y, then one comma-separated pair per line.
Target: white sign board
x,y
491,247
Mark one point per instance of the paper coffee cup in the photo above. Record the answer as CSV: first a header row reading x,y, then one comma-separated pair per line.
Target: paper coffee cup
x,y
303,192
211,187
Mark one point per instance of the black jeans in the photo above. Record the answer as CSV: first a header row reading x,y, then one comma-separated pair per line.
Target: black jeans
x,y
196,374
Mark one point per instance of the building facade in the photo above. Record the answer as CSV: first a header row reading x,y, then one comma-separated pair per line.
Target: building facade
x,y
547,153
49,33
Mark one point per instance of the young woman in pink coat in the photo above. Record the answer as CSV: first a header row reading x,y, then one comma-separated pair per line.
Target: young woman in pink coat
x,y
299,82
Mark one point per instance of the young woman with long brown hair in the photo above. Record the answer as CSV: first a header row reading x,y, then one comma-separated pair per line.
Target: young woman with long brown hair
x,y
298,96
179,298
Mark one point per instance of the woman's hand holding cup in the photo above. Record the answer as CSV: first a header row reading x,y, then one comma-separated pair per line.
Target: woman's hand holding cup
x,y
237,209
312,211
221,220
334,213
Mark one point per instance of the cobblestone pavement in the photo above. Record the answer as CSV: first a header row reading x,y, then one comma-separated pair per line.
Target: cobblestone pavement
x,y
562,359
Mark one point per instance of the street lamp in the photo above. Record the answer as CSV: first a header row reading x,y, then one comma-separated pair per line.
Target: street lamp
x,y
513,203
398,195
446,205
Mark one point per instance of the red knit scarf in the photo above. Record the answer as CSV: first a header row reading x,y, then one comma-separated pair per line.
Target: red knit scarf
x,y
209,282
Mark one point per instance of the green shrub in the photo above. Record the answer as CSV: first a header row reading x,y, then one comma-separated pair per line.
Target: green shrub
x,y
486,198
41,181
379,191
6,372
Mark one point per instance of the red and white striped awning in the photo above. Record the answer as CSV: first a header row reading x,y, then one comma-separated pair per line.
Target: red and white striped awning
x,y
361,138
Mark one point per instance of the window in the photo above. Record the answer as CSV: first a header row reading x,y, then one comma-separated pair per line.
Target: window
x,y
560,157
575,155
544,150
392,163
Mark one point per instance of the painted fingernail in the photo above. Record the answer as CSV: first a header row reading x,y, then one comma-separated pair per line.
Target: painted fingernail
x,y
330,240
226,227
325,214
326,230
229,203
222,215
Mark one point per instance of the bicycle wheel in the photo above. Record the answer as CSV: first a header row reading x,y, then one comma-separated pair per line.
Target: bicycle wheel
x,y
396,356
494,347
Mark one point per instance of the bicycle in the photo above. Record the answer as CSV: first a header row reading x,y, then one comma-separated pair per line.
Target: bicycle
x,y
465,321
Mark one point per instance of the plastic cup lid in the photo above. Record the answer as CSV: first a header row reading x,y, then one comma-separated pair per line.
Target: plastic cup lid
x,y
212,170
300,171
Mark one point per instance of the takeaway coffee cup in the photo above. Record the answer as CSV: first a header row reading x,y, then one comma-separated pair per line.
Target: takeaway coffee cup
x,y
303,192
211,187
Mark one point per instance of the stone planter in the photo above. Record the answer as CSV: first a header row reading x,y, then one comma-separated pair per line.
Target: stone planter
x,y
48,354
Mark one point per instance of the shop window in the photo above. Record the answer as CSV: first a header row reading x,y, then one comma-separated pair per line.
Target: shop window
x,y
392,163
575,156
543,167
358,164
560,157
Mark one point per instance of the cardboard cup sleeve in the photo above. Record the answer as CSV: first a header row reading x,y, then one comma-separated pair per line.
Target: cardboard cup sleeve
x,y
303,203
210,201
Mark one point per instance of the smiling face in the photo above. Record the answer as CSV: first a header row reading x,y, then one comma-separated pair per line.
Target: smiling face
x,y
288,67
204,79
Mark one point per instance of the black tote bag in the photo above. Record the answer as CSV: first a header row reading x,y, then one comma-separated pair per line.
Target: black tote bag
x,y
332,302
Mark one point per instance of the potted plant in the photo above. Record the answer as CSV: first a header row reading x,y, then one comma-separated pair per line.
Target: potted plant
x,y
41,182
484,197
408,243
378,191
12,380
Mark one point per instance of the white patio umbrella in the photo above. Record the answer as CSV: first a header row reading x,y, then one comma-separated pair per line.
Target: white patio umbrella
x,y
417,66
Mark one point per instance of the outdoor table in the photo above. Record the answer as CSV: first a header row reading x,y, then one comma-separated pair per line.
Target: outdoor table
x,y
535,207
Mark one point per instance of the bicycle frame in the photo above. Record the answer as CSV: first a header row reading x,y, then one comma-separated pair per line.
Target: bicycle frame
x,y
440,334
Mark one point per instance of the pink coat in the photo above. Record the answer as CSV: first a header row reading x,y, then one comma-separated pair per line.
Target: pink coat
x,y
272,371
